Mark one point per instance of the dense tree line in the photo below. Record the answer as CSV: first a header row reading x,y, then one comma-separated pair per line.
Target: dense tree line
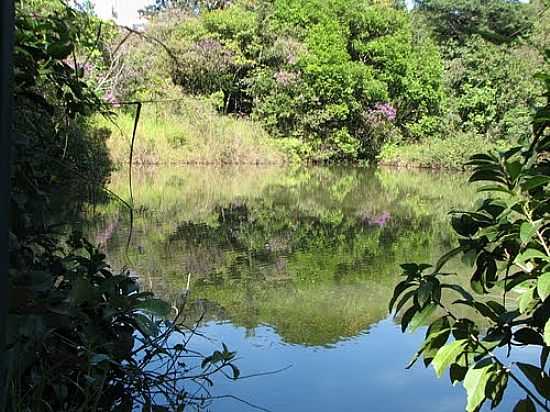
x,y
340,79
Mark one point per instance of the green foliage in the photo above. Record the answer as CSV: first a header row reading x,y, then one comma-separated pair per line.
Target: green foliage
x,y
506,242
54,146
315,72
312,70
491,87
491,52
80,336
497,21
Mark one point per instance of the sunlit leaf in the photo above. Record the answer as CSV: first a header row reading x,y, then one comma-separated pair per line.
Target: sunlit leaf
x,y
475,382
543,285
421,318
448,355
526,301
531,254
527,231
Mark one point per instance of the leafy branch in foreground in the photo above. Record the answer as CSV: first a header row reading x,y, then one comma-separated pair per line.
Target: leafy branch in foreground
x,y
506,242
85,338
81,337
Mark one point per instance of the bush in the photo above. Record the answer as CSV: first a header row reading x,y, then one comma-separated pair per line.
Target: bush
x,y
312,71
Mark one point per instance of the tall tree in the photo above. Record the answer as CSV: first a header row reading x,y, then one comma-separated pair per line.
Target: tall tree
x,y
499,21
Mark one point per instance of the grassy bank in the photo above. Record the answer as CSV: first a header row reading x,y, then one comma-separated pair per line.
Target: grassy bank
x,y
190,131
437,152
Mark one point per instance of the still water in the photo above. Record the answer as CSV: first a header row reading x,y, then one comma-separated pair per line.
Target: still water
x,y
293,269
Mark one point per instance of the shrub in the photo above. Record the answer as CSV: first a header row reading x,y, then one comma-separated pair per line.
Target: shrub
x,y
312,70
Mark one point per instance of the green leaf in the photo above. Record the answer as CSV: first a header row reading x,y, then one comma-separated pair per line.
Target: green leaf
x,y
476,282
547,333
539,378
404,299
531,254
421,318
543,286
496,386
407,316
528,336
475,382
436,336
527,231
494,188
424,293
514,168
398,290
410,267
447,355
459,289
525,405
535,181
526,301
457,373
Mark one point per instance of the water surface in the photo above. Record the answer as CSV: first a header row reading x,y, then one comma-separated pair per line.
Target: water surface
x,y
295,267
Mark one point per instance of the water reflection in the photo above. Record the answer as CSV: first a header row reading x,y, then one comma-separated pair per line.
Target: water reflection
x,y
294,266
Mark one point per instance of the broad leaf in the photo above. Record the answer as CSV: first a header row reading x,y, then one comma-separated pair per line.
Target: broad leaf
x,y
398,290
528,336
531,254
421,318
446,257
543,285
535,181
407,316
527,301
475,382
527,231
447,355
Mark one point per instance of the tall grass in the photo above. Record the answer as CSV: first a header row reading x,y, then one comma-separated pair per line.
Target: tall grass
x,y
190,131
436,152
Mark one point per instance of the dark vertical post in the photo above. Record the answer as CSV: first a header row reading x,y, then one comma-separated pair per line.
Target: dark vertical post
x,y
6,107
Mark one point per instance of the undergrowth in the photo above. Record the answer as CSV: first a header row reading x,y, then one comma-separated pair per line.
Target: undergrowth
x,y
437,152
190,131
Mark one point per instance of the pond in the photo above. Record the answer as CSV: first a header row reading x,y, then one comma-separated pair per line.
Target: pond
x,y
293,269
